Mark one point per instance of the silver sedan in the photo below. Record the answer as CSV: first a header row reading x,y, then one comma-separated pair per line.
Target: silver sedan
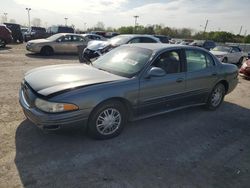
x,y
58,43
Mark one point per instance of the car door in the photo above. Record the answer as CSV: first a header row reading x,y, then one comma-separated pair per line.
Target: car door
x,y
201,75
236,54
63,44
77,41
158,94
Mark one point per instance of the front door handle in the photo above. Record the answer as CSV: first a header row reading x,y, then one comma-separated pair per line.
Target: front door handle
x,y
179,80
214,74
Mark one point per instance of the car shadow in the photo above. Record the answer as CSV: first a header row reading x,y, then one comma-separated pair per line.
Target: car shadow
x,y
165,150
55,56
5,48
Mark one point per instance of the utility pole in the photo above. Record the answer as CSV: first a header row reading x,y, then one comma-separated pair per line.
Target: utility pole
x,y
240,29
66,20
205,28
28,10
5,16
245,33
136,17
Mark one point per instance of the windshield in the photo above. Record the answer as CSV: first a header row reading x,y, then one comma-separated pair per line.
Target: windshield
x,y
54,37
119,40
124,61
222,49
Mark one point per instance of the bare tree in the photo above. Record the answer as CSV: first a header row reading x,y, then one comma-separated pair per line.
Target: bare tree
x,y
2,19
99,26
36,22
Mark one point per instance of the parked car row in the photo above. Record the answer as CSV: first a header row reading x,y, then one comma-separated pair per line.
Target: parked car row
x,y
20,34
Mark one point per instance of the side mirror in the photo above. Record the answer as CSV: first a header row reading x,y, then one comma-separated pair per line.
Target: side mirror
x,y
155,72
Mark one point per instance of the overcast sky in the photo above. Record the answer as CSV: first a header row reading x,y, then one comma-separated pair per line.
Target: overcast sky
x,y
224,15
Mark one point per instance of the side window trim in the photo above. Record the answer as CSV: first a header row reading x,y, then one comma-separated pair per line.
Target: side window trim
x,y
186,62
180,53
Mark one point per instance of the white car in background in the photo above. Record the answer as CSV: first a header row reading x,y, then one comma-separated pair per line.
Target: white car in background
x,y
229,54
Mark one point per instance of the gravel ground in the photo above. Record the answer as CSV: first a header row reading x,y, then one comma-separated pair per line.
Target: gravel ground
x,y
184,149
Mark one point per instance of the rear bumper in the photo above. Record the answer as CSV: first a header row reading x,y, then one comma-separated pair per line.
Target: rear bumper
x,y
232,84
52,121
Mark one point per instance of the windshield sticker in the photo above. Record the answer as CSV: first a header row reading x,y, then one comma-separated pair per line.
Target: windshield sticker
x,y
131,61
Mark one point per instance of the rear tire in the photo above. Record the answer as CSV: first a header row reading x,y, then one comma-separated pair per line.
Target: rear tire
x,y
47,51
107,120
216,97
240,61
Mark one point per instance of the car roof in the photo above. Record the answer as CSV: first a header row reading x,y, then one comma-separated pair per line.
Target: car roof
x,y
69,34
161,46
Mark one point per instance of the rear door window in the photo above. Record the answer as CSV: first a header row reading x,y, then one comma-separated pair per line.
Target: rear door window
x,y
198,60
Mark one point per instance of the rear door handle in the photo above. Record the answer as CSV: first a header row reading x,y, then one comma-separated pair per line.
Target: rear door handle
x,y
179,80
214,74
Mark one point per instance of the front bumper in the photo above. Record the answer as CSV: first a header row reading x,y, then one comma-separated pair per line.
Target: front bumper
x,y
33,48
52,121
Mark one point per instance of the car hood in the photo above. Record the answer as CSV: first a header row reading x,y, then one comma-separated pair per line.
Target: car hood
x,y
96,44
56,78
218,52
39,41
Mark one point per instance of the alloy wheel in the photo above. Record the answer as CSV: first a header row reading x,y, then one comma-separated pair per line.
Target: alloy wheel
x,y
108,121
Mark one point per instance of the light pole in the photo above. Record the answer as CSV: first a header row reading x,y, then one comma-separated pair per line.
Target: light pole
x,y
66,20
136,17
5,16
28,10
85,28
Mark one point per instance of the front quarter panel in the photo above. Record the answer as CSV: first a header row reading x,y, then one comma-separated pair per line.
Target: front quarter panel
x,y
87,98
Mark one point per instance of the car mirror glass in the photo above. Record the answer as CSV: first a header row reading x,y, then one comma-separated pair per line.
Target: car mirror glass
x,y
155,72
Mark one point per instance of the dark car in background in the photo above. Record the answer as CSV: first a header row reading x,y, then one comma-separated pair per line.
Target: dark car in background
x,y
207,44
133,81
163,38
111,34
5,35
91,36
35,33
16,32
102,33
60,29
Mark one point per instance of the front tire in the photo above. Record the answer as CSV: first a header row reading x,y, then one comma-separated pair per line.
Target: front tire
x,y
47,51
240,61
107,120
216,97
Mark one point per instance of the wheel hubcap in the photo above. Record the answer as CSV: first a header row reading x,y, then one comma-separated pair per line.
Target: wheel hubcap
x,y
108,121
216,96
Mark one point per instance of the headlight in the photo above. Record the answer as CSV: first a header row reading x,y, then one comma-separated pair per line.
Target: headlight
x,y
29,44
53,107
